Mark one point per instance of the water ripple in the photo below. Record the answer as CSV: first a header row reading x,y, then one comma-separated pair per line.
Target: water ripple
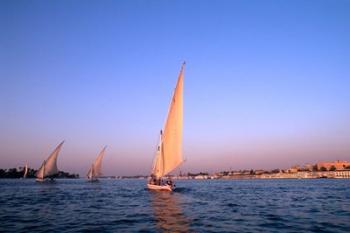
x,y
195,206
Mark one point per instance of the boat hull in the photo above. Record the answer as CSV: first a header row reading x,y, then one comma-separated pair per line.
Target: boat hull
x,y
92,180
44,180
160,187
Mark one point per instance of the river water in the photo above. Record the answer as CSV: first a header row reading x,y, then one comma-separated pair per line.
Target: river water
x,y
314,205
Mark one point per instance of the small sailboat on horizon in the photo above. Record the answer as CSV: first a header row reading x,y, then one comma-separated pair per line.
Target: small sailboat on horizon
x,y
169,151
95,170
25,171
49,169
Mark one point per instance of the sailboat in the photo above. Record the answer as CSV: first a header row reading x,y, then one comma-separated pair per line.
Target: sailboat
x,y
95,170
25,171
169,151
49,168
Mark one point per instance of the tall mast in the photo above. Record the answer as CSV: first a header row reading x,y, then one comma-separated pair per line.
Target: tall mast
x,y
44,169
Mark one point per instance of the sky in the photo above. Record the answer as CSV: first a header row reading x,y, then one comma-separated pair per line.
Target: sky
x,y
267,83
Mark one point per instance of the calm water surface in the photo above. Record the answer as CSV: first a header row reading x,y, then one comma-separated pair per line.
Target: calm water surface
x,y
196,206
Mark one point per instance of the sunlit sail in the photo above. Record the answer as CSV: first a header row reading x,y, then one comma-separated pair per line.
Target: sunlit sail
x,y
169,152
95,170
49,168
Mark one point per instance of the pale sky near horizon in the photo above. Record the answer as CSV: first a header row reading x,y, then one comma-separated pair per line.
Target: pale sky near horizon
x,y
267,83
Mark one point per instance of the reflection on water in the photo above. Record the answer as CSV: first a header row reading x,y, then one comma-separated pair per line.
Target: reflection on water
x,y
168,213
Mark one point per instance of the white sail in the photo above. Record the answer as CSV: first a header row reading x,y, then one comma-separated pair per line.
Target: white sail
x,y
96,168
169,155
90,174
158,169
41,171
49,167
25,171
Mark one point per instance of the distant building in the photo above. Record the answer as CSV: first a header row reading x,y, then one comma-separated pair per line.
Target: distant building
x,y
259,172
339,165
342,174
245,172
294,169
308,167
201,177
235,173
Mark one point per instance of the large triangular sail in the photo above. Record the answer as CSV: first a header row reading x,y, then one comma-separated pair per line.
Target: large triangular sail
x,y
169,153
96,168
49,166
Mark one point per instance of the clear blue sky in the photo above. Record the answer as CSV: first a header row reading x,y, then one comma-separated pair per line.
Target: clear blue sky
x,y
267,83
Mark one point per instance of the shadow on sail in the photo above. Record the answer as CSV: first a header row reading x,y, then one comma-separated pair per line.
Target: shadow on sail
x,y
168,213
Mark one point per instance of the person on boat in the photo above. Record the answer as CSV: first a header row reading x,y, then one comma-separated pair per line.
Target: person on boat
x,y
154,180
169,182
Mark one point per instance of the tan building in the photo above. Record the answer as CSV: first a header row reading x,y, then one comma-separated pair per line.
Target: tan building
x,y
339,165
308,167
259,172
294,169
342,174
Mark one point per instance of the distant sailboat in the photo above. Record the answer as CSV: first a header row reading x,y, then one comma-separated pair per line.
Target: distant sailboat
x,y
169,152
49,167
25,173
95,170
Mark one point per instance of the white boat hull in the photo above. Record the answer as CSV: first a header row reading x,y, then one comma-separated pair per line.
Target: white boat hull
x,y
160,187
92,180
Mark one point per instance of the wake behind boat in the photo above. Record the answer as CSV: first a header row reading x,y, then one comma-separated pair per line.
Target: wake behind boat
x,y
49,169
169,152
96,168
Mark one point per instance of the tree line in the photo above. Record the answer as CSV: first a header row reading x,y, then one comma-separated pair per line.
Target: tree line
x,y
18,173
